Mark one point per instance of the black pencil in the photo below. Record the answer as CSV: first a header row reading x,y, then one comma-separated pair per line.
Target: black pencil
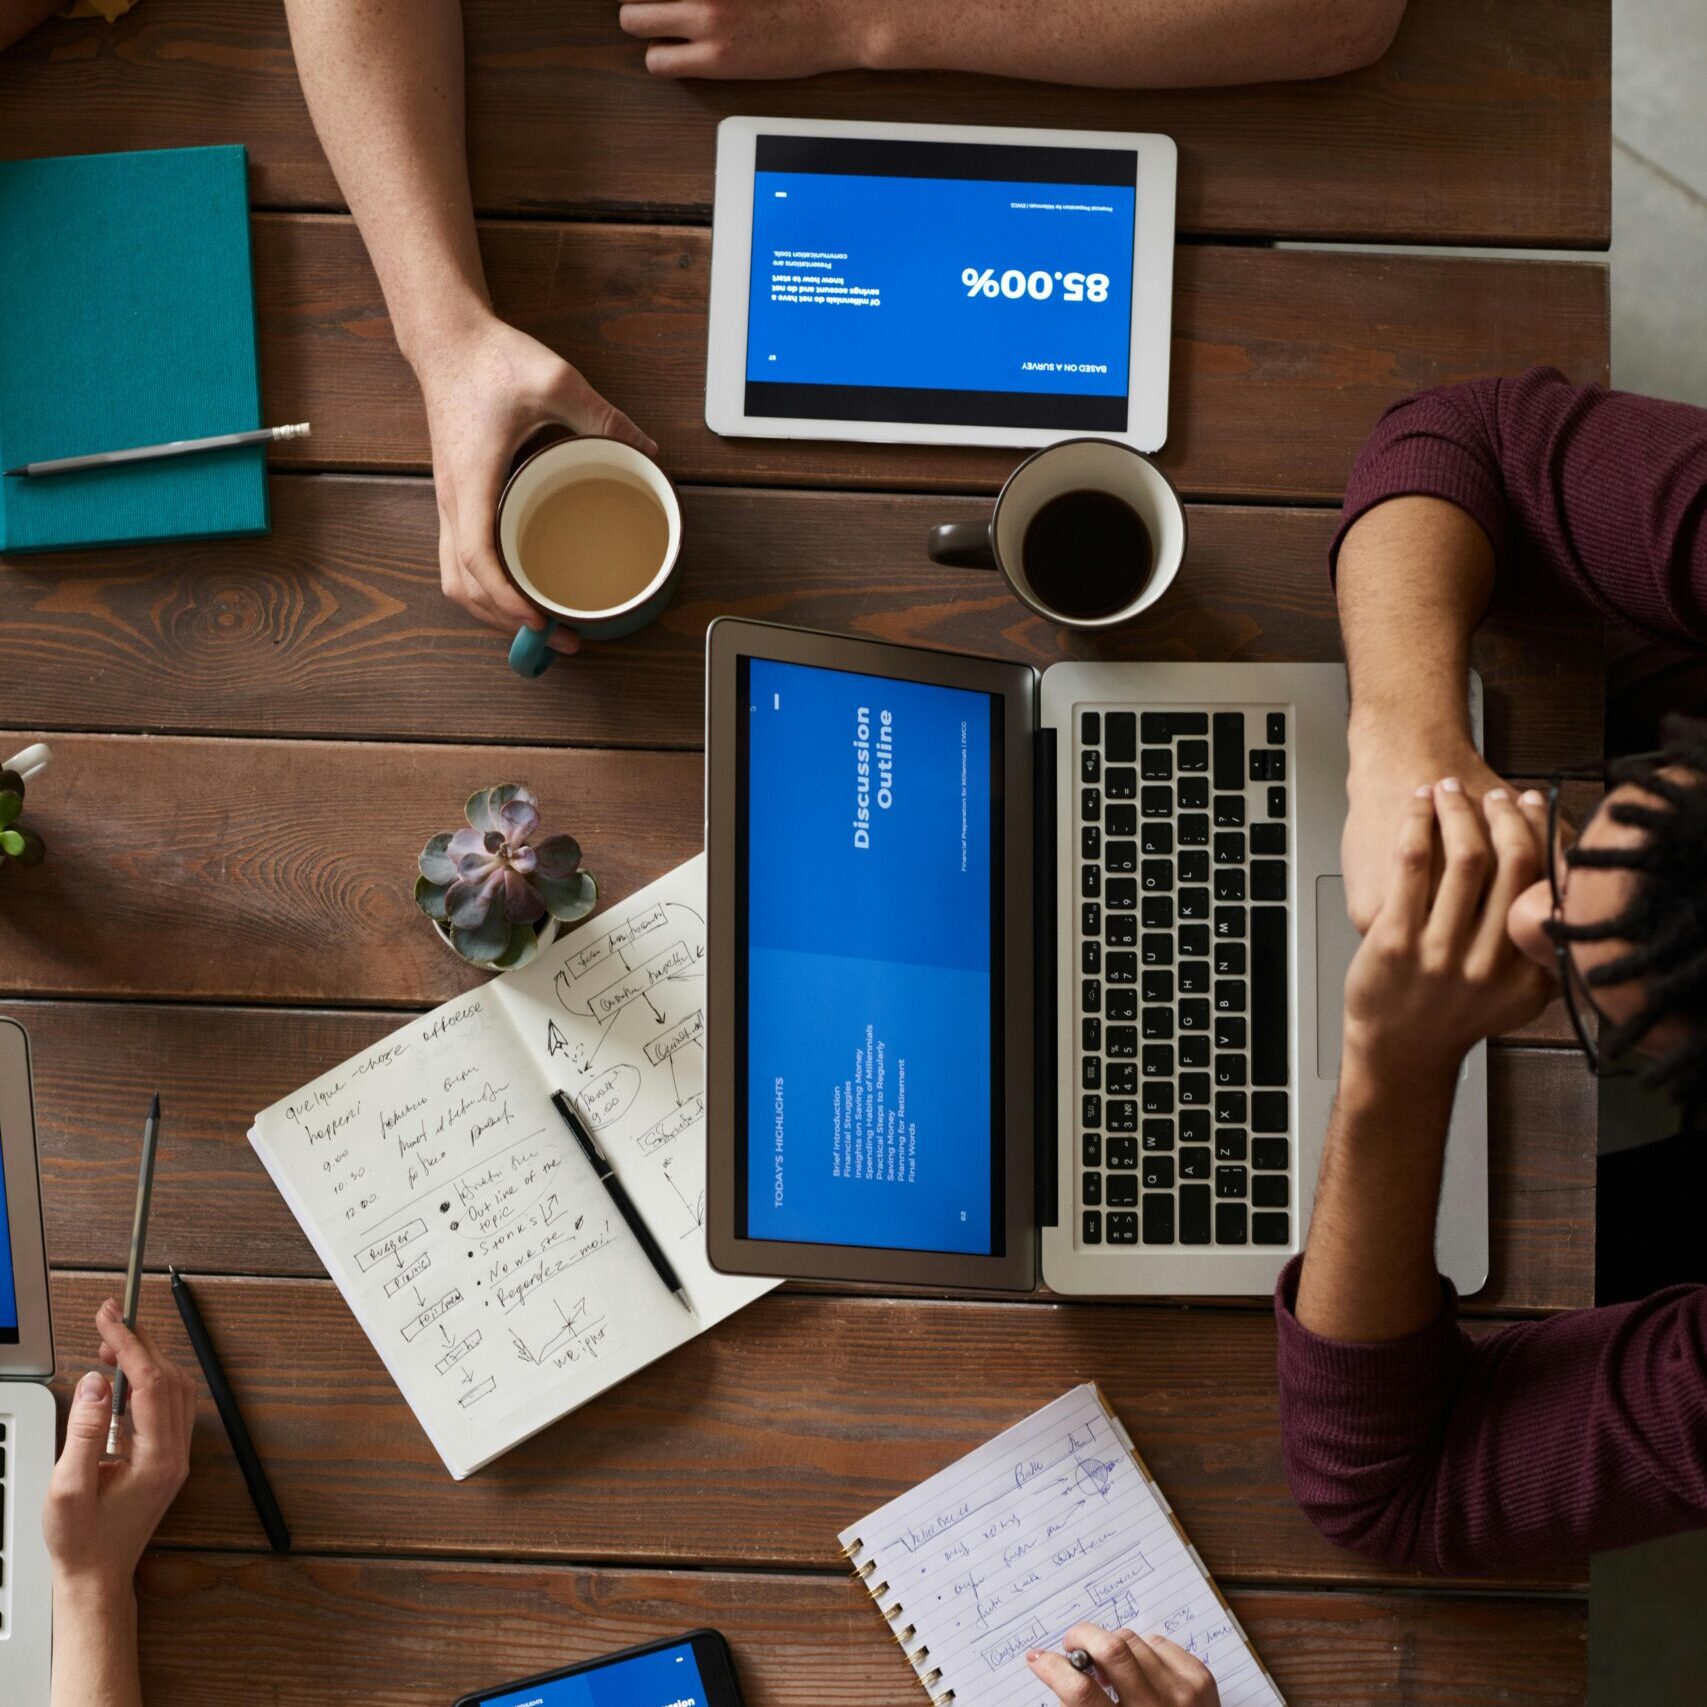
x,y
248,1460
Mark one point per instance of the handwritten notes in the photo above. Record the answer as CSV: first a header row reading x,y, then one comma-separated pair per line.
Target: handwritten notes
x,y
1051,1523
459,1218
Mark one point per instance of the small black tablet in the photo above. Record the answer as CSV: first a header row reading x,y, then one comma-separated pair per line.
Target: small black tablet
x,y
695,1670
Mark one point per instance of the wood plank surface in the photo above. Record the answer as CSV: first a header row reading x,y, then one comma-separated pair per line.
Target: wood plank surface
x,y
754,1444
334,623
217,1211
417,1633
195,869
1482,124
1282,360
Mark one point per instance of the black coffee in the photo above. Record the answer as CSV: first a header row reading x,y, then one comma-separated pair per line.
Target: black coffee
x,y
1087,554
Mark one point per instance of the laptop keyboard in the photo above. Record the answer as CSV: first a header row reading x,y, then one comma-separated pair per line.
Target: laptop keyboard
x,y
1184,886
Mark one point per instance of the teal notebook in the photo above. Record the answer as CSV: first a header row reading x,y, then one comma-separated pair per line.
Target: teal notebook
x,y
127,317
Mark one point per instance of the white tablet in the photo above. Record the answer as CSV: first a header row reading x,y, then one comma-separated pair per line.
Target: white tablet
x,y
940,284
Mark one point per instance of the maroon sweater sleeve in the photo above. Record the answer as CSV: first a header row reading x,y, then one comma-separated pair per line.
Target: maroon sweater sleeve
x,y
1543,1441
1599,493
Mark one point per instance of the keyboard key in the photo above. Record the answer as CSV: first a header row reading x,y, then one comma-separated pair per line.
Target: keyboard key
x,y
1194,1050
1229,738
1194,1162
1269,996
1122,931
1123,1228
1158,1218
1194,1215
1154,801
1229,1223
1156,875
1277,802
1090,1073
1121,737
1194,1090
1122,967
1090,1189
1122,1004
1090,881
1091,1229
1268,838
1277,728
1122,894
1123,1154
1157,764
1194,1126
1194,866
1159,1023
1158,912
1230,1070
1158,1134
1090,765
1090,1143
1090,958
1194,903
1158,986
1158,1097
1123,1041
1158,1061
1229,960
1090,728
1165,725
1193,828
1193,793
1269,1111
1120,782
1194,978
1122,1078
1270,1191
1230,996
1121,857
1229,1032
1271,1153
1193,1014
1270,1228
1229,921
1090,995
1090,1035
1090,842
1120,818
1194,939
1090,917
1259,765
1090,804
1229,811
1268,880
1156,951
1156,1173
1277,766
1156,838
1229,847
1194,755
1122,1114
1229,1183
1231,1108
1231,1144
1230,885
1122,1191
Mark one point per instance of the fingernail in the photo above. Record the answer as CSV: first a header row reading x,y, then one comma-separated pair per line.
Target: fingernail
x,y
92,1386
110,1308
1532,797
1495,794
1426,792
1033,1657
1451,785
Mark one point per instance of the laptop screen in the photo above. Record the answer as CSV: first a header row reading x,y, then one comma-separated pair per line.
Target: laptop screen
x,y
869,1079
8,1278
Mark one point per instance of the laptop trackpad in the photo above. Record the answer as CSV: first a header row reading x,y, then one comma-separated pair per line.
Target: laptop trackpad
x,y
1336,942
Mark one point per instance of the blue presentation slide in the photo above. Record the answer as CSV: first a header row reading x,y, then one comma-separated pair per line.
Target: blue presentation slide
x,y
869,957
8,1283
668,1678
947,283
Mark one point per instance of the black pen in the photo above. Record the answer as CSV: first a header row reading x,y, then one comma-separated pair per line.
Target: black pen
x,y
248,1459
625,1208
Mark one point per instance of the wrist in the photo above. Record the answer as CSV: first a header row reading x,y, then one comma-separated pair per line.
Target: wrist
x,y
99,1595
886,36
430,333
1390,750
1383,1076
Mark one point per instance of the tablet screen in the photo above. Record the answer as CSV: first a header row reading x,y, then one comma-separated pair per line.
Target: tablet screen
x,y
665,1677
956,283
8,1280
869,1075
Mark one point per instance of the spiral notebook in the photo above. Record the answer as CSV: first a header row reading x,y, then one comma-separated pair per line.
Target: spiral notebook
x,y
1054,1522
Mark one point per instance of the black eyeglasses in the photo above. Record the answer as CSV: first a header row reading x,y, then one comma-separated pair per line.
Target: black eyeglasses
x,y
1579,998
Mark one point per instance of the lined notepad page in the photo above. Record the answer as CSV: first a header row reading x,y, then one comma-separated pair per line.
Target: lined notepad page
x,y
1051,1523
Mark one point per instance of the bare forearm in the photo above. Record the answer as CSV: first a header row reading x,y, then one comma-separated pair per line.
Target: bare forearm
x,y
384,82
94,1647
1137,44
1369,1272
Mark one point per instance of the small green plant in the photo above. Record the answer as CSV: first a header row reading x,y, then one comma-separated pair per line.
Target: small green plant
x,y
17,845
495,886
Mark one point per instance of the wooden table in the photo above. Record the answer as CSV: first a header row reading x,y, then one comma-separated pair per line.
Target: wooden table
x,y
253,739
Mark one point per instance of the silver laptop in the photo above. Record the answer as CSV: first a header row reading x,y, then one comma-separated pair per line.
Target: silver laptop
x,y
1025,974
26,1404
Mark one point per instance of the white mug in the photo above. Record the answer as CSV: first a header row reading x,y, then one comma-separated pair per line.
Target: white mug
x,y
31,762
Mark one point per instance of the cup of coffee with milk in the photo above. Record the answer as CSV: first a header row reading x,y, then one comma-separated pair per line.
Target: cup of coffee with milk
x,y
591,531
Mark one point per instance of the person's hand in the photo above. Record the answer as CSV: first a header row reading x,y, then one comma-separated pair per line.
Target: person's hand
x,y
1384,776
755,38
100,1512
1435,977
1142,1671
487,391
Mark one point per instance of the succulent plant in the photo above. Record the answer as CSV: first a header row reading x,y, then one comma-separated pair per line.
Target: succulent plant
x,y
494,886
21,846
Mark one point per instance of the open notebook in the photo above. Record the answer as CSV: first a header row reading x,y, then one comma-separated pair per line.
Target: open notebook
x,y
1054,1522
459,1218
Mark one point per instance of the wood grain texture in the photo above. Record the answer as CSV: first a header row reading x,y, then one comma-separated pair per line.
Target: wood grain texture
x,y
418,1633
193,869
754,1444
334,623
1282,359
216,1068
1481,125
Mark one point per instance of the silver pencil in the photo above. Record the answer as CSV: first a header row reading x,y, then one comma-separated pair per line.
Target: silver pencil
x,y
152,453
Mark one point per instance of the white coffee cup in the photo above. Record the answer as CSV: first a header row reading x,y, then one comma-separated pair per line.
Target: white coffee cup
x,y
31,762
